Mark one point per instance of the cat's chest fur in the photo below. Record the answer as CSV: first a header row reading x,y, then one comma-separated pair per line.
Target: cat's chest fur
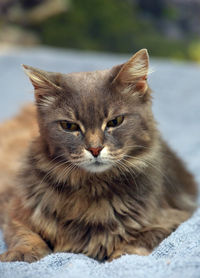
x,y
94,218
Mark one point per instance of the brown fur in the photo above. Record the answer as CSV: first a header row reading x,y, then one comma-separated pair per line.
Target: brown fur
x,y
58,203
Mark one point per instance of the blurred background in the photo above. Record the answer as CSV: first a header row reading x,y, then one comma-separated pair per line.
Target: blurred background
x,y
168,28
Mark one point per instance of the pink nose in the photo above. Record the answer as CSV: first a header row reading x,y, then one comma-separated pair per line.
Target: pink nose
x,y
95,151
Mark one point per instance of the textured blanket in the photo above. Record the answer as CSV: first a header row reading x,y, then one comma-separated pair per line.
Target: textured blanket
x,y
177,110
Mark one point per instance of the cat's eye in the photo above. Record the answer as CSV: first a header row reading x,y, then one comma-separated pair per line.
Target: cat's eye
x,y
69,126
116,121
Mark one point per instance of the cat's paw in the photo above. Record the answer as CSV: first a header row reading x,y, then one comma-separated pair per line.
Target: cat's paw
x,y
22,255
141,251
116,254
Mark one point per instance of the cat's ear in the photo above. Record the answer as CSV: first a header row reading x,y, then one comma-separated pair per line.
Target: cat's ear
x,y
133,73
44,83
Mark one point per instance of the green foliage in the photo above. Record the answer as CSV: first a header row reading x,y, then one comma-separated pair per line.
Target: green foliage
x,y
114,26
171,12
97,25
194,50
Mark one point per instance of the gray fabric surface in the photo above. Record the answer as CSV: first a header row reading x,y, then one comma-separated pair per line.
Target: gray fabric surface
x,y
177,110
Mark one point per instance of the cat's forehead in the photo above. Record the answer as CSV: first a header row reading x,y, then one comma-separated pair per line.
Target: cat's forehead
x,y
87,81
87,95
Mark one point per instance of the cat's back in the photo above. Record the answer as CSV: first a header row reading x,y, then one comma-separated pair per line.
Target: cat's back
x,y
15,135
179,185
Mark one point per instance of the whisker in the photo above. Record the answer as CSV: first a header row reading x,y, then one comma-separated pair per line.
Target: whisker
x,y
53,168
63,173
129,170
156,167
118,165
148,148
76,155
66,172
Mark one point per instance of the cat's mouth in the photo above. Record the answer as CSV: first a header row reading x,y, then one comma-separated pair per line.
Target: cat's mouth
x,y
93,164
98,163
96,166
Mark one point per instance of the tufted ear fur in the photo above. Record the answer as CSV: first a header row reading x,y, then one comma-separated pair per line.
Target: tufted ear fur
x,y
133,74
45,84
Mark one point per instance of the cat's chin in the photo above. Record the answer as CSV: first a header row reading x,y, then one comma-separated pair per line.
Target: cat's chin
x,y
97,167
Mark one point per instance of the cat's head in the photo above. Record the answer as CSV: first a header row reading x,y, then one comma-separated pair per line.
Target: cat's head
x,y
96,120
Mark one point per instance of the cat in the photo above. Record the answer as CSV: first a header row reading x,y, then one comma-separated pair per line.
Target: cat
x,y
97,177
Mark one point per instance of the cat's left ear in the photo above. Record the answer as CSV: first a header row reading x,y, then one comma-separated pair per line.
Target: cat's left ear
x,y
133,74
44,83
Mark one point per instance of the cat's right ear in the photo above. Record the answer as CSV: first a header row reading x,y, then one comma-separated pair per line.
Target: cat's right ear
x,y
132,75
44,84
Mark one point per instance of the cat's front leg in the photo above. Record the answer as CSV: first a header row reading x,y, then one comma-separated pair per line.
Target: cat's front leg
x,y
23,244
143,245
23,253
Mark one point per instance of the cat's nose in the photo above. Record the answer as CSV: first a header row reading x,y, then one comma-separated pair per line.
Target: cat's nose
x,y
95,151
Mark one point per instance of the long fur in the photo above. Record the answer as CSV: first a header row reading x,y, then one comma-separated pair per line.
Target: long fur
x,y
51,201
